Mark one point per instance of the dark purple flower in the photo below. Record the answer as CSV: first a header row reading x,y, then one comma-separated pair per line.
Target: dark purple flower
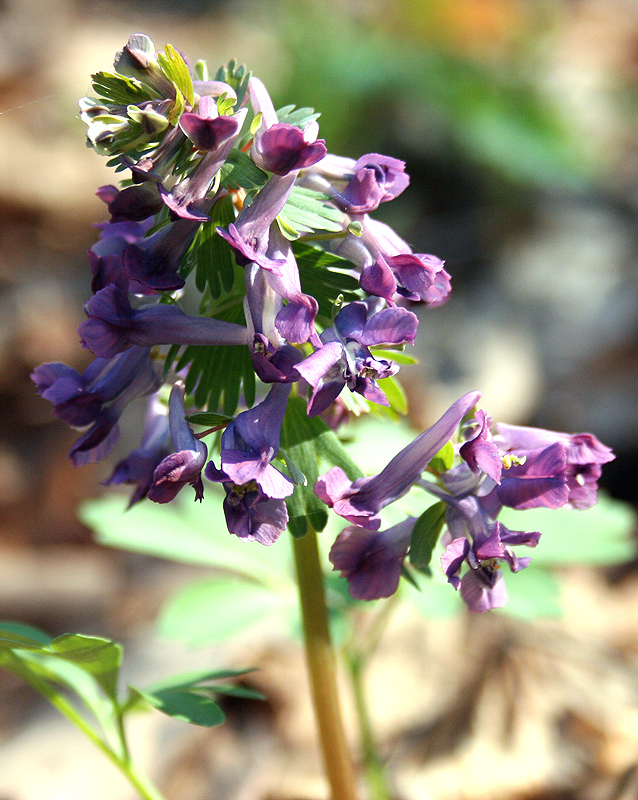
x,y
216,135
360,501
345,358
371,561
278,147
153,262
106,254
185,465
251,441
138,467
96,398
135,203
250,514
113,325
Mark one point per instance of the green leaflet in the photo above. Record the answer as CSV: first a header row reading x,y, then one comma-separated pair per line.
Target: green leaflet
x,y
425,535
299,117
176,70
119,89
239,170
325,277
307,211
307,441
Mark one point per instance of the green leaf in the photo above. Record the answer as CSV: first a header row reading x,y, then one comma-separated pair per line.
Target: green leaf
x,y
307,211
190,679
238,691
187,706
236,76
216,609
443,460
101,658
21,636
533,593
190,533
239,170
119,89
176,70
599,536
325,276
208,420
397,356
308,440
425,535
395,393
299,117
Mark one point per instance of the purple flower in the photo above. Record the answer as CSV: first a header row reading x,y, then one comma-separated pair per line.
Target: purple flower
x,y
479,451
361,501
376,180
254,506
250,514
113,325
583,457
153,262
251,442
278,147
215,135
388,265
138,467
273,359
134,203
183,466
96,398
249,234
371,561
345,358
106,254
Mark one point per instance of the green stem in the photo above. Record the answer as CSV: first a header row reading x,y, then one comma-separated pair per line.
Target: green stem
x,y
372,763
322,669
140,783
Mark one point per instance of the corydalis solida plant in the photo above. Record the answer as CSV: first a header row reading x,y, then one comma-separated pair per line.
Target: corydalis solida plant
x,y
241,270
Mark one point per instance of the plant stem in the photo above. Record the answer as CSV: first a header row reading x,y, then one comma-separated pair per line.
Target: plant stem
x,y
372,763
140,783
322,669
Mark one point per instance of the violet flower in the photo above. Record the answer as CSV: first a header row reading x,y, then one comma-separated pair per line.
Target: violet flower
x,y
371,561
273,359
185,465
96,398
345,358
360,501
113,326
376,180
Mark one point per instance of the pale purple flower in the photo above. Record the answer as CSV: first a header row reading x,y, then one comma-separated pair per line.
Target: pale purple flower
x,y
376,180
113,325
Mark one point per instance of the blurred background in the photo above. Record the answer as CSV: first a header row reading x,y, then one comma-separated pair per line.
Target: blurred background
x,y
519,125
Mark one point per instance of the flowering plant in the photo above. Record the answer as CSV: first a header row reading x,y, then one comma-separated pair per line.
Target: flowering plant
x,y
242,286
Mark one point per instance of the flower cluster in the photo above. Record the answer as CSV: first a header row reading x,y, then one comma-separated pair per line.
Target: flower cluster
x,y
300,293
